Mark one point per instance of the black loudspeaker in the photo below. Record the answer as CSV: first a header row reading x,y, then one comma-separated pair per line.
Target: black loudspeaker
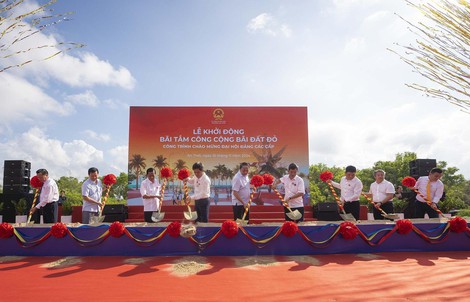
x,y
115,217
421,167
115,209
328,211
16,175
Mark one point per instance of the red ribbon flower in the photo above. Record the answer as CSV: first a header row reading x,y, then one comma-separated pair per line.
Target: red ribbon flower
x,y
408,182
348,230
257,181
174,229
404,226
109,179
59,230
166,172
6,230
268,179
35,182
458,224
116,229
289,229
326,175
183,174
229,228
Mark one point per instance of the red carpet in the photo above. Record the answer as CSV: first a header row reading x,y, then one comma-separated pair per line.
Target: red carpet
x,y
433,276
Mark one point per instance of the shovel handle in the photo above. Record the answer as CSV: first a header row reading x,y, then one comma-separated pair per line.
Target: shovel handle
x,y
372,202
427,201
338,201
36,194
284,203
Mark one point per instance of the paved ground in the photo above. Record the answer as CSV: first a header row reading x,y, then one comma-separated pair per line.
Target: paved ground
x,y
433,276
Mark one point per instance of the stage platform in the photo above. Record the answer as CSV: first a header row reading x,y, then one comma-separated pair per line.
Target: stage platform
x,y
211,239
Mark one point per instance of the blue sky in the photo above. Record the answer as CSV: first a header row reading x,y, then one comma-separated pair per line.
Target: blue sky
x,y
72,112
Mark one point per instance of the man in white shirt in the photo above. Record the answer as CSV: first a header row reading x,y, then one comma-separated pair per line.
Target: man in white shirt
x,y
48,197
150,191
294,191
91,195
432,188
241,192
351,188
382,192
202,191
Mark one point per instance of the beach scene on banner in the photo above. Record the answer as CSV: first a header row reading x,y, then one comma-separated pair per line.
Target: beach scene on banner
x,y
267,138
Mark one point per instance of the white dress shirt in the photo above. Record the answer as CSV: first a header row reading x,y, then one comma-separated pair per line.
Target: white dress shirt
x,y
150,189
350,189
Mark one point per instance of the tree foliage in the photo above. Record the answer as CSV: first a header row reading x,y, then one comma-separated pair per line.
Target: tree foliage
x,y
441,51
456,187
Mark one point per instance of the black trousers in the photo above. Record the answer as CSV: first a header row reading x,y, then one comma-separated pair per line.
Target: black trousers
x,y
353,207
300,209
387,207
202,209
148,216
238,212
422,208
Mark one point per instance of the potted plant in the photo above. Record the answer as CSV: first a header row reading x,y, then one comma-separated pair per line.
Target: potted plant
x,y
20,207
66,212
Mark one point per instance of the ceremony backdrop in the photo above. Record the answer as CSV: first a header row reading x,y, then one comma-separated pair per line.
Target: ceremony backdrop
x,y
269,138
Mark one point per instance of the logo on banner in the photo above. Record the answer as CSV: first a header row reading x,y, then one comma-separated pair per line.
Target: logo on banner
x,y
218,115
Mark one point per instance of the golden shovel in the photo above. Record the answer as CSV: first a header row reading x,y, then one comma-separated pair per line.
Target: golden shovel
x,y
391,216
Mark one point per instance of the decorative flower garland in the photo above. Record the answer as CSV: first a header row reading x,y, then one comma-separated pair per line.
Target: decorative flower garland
x,y
229,228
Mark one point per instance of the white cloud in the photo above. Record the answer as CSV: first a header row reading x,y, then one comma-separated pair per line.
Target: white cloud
x,y
266,24
97,136
88,98
24,102
120,156
72,158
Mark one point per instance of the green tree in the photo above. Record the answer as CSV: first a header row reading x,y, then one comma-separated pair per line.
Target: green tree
x,y
137,164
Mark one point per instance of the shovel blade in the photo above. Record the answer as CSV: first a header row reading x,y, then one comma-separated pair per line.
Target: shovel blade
x,y
294,215
241,221
348,217
96,219
156,216
391,216
190,216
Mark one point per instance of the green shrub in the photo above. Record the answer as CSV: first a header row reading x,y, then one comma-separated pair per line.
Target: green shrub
x,y
20,206
464,213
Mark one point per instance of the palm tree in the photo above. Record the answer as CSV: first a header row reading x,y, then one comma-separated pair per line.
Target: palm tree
x,y
219,171
268,163
159,162
180,164
137,163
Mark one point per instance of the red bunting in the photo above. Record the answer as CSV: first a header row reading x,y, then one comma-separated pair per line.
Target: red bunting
x,y
268,179
6,230
59,230
257,181
348,230
166,172
116,229
404,226
408,182
174,229
109,179
183,174
326,175
229,228
289,229
36,183
458,224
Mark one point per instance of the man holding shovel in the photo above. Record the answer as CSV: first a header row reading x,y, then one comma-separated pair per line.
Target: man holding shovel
x,y
351,189
91,195
294,191
241,193
432,188
202,190
382,192
150,190
48,197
